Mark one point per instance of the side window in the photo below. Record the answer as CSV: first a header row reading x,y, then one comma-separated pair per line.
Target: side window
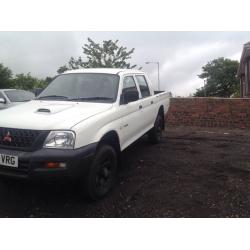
x,y
1,95
143,86
130,91
129,84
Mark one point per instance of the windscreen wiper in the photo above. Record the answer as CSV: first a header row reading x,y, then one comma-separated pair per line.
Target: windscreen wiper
x,y
52,96
25,100
90,98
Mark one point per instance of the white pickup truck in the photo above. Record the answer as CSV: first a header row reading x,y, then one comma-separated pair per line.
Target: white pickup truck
x,y
78,126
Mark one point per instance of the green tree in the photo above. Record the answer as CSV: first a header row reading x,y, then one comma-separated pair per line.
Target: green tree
x,y
108,54
49,79
28,82
5,77
221,79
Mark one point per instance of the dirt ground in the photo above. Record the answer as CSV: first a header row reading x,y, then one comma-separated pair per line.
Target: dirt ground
x,y
194,172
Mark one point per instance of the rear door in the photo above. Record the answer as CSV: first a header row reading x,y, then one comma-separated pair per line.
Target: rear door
x,y
131,113
147,101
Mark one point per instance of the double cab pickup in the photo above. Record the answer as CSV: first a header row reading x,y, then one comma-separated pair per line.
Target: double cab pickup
x,y
79,125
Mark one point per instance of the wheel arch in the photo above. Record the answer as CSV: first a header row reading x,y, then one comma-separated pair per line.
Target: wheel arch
x,y
111,138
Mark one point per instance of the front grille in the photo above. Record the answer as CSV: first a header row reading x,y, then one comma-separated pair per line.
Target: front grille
x,y
18,138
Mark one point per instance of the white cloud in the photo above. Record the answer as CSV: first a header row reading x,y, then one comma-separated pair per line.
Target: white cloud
x,y
182,69
236,56
181,54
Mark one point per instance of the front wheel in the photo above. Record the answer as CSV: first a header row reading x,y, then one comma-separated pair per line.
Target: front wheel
x,y
102,173
155,134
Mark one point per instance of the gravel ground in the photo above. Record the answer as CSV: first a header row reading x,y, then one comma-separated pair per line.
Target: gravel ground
x,y
194,172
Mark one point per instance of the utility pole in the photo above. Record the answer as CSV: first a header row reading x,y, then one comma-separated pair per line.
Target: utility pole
x,y
205,82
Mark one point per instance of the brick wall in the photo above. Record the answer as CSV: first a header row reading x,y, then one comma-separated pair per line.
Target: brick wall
x,y
209,112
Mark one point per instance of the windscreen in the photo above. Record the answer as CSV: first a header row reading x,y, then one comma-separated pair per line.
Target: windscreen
x,y
91,87
19,95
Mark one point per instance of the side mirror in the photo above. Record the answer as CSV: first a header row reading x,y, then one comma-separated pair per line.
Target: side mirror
x,y
2,101
129,96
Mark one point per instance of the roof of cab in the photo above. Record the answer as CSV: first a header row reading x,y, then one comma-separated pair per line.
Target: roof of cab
x,y
104,71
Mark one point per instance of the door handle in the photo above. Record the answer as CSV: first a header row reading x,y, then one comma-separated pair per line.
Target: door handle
x,y
140,107
152,102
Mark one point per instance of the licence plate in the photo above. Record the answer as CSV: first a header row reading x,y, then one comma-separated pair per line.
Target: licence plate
x,y
9,160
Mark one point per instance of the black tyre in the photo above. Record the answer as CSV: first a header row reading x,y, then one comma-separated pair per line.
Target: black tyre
x,y
155,134
102,173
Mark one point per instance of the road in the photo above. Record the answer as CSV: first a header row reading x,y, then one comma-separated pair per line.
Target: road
x,y
192,173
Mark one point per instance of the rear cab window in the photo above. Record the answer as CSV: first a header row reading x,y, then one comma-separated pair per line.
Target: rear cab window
x,y
143,85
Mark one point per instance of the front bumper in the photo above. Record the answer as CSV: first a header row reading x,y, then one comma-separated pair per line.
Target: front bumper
x,y
32,165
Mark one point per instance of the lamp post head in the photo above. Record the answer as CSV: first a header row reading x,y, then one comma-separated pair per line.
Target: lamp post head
x,y
152,62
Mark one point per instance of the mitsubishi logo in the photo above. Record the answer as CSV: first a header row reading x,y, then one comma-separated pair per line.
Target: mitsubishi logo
x,y
7,137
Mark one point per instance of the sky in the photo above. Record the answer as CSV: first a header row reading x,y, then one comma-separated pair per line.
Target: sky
x,y
181,54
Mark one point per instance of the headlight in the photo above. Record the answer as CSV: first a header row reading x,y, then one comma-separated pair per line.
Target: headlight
x,y
60,139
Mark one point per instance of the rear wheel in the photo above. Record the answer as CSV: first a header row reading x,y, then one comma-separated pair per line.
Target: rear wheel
x,y
155,134
102,173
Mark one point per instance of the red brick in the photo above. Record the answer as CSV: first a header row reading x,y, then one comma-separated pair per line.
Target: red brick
x,y
209,112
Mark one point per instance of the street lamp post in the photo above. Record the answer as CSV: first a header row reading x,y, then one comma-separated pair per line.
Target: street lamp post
x,y
205,82
158,66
